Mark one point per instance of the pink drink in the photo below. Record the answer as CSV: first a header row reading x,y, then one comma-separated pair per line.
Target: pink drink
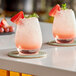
x,y
28,36
64,26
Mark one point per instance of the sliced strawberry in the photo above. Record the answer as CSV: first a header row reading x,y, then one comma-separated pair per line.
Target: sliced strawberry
x,y
11,29
54,10
1,25
17,17
1,29
6,29
4,23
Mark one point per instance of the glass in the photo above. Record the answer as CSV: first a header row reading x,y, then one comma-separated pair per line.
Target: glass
x,y
28,36
64,26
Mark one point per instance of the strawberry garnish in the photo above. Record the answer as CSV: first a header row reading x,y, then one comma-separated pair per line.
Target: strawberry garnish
x,y
17,17
54,10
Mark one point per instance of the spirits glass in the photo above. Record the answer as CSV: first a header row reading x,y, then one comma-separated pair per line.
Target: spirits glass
x,y
28,36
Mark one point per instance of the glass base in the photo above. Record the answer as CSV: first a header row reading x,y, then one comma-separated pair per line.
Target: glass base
x,y
64,40
27,52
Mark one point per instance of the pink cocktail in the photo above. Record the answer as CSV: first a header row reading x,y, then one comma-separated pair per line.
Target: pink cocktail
x,y
28,37
64,26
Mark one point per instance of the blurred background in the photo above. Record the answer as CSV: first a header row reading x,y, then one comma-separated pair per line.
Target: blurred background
x,y
8,8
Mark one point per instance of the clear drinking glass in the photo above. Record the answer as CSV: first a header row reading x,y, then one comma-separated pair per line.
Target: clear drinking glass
x,y
28,36
64,26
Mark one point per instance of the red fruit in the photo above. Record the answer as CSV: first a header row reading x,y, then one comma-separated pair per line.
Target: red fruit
x,y
1,29
0,25
4,23
6,29
54,10
11,29
17,17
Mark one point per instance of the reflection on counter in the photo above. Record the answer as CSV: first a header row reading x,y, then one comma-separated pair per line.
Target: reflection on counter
x,y
64,57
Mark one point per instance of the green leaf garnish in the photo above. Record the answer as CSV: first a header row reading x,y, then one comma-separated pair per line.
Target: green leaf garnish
x,y
31,15
64,7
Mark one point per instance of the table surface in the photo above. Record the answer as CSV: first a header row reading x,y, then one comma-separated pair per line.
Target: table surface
x,y
60,61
